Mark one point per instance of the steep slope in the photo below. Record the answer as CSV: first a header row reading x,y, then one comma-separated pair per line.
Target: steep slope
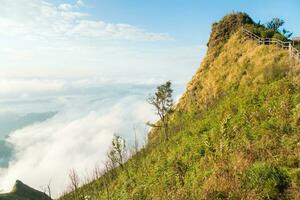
x,y
24,192
234,134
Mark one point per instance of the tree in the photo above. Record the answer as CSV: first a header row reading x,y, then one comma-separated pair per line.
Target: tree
x,y
118,152
163,103
49,189
287,33
275,24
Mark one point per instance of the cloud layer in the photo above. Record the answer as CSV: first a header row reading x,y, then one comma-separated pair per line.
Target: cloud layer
x,y
77,137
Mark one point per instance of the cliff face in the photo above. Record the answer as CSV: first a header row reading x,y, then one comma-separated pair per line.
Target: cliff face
x,y
234,133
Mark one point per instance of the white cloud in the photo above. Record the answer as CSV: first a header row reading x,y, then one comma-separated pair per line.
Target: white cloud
x,y
114,31
39,19
37,86
39,39
65,7
79,3
78,137
20,86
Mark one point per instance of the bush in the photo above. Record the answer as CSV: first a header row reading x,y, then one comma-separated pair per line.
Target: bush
x,y
267,33
279,36
254,29
267,181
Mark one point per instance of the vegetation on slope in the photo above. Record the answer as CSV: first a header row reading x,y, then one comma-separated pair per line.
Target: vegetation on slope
x,y
233,135
24,192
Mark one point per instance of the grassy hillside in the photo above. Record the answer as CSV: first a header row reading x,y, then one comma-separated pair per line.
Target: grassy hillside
x,y
24,192
234,133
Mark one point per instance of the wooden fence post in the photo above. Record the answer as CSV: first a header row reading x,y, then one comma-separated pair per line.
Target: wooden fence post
x,y
290,49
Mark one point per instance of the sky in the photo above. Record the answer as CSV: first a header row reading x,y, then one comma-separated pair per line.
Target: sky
x,y
75,72
114,38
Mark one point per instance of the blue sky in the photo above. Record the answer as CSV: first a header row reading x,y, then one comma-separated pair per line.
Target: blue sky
x,y
83,38
189,21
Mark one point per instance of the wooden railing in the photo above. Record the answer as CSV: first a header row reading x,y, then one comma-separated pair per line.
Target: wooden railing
x,y
294,53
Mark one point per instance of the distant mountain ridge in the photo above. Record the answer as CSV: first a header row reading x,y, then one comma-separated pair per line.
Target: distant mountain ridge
x,y
21,191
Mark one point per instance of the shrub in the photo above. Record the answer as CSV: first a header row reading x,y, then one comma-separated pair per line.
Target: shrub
x,y
254,29
279,36
267,181
267,33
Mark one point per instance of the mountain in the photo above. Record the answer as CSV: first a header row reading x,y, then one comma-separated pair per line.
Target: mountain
x,y
23,192
234,134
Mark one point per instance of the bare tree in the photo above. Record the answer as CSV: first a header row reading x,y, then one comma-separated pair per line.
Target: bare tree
x,y
46,190
49,189
74,185
163,103
96,172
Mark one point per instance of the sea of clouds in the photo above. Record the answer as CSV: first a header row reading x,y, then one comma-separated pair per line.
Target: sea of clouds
x,y
67,124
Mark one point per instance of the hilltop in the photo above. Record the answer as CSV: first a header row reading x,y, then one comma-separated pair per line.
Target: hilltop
x,y
234,132
23,192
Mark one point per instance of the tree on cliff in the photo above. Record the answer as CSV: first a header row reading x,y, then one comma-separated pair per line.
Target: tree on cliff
x,y
163,103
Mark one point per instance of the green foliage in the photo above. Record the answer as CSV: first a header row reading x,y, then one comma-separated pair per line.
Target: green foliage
x,y
287,33
271,30
275,24
269,33
163,104
267,181
279,36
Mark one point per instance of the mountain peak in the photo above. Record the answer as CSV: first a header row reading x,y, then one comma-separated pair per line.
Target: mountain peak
x,y
22,191
19,186
222,30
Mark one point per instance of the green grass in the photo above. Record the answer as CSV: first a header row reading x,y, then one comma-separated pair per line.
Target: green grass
x,y
234,134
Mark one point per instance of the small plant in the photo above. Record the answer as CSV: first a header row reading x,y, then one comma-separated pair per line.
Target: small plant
x,y
180,170
266,180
